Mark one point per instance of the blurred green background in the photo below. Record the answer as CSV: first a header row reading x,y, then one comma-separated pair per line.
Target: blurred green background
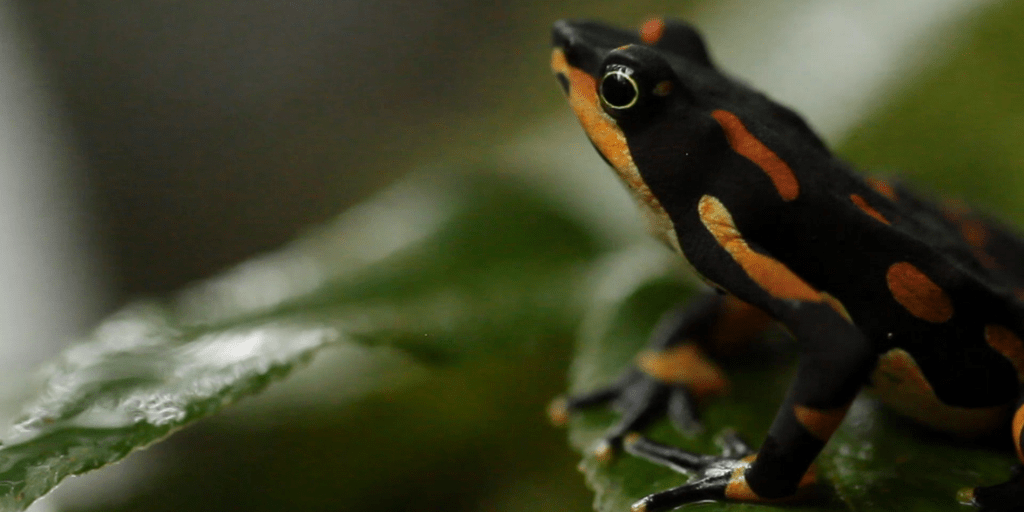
x,y
212,131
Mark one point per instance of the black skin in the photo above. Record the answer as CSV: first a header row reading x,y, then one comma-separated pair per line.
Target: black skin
x,y
682,154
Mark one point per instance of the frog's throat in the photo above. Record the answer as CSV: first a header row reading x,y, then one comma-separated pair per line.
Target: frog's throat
x,y
608,138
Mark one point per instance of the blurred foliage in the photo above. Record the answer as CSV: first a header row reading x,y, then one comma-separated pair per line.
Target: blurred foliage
x,y
957,126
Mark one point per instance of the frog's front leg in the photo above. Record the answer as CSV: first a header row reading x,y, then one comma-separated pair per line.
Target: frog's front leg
x,y
835,360
673,372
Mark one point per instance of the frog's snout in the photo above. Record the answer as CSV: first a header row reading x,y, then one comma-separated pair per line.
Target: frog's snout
x,y
562,39
578,45
561,34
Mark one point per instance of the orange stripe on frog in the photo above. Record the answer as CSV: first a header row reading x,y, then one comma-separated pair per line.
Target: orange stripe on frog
x,y
686,365
972,230
918,294
606,135
820,423
737,324
744,143
738,489
899,383
882,187
837,305
1008,344
770,274
866,208
652,30
1018,426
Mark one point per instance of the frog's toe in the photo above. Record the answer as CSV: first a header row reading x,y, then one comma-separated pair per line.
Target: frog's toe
x,y
682,411
562,407
640,398
705,489
640,403
715,476
1005,497
733,446
684,461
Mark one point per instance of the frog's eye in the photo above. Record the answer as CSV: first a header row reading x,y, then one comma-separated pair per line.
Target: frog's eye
x,y
619,90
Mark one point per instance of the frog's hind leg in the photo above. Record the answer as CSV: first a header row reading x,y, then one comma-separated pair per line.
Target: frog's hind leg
x,y
674,372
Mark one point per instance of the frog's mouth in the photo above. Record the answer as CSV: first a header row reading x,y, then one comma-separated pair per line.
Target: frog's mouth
x,y
606,135
575,63
581,89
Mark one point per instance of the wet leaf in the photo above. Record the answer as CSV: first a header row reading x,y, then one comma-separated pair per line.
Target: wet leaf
x,y
445,265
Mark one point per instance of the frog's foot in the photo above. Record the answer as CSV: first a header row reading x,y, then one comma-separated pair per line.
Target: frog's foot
x,y
666,381
712,474
641,399
1005,497
714,477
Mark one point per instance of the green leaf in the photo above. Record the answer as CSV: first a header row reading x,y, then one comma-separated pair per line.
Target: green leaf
x,y
446,265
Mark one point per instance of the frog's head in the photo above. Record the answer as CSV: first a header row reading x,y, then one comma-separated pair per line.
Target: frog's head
x,y
659,111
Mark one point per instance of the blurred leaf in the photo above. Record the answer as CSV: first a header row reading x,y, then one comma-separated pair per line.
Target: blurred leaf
x,y
447,264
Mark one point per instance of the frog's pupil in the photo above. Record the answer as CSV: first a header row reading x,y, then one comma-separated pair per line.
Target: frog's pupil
x,y
618,89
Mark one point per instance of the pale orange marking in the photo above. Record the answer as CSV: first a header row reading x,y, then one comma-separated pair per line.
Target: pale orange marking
x,y
1018,425
882,187
918,294
972,230
820,423
737,324
664,88
954,206
898,382
601,128
738,489
866,208
605,133
1008,344
965,496
558,412
769,273
652,30
685,364
985,258
744,143
836,305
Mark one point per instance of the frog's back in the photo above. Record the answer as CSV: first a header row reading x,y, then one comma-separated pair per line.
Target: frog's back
x,y
976,241
947,317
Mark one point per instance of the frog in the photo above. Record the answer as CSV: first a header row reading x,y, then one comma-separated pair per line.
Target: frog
x,y
882,288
